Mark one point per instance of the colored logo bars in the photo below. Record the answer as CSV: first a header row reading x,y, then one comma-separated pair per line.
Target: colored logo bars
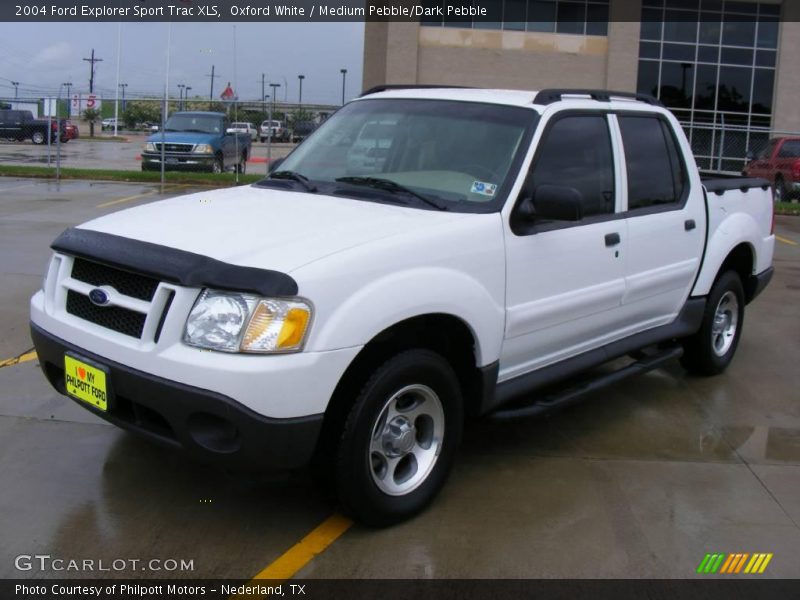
x,y
732,564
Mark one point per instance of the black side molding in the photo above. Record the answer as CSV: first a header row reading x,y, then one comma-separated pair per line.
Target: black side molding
x,y
172,265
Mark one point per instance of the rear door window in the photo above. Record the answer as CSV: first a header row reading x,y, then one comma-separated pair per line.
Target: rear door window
x,y
656,172
790,149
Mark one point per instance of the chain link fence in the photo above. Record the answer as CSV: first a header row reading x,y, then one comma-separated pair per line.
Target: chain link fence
x,y
154,134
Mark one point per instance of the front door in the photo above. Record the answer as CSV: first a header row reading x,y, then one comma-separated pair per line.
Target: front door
x,y
565,280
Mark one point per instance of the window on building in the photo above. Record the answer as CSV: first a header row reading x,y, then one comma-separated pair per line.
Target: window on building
x,y
577,153
656,174
581,17
713,64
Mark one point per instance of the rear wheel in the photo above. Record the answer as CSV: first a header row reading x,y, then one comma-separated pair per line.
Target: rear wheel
x,y
400,439
38,137
711,349
241,168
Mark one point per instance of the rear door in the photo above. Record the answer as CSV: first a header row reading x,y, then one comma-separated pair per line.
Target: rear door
x,y
665,221
787,156
566,280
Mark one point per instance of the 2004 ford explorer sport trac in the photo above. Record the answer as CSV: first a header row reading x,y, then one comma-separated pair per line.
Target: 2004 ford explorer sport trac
x,y
424,256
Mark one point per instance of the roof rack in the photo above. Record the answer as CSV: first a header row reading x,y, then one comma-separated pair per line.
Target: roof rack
x,y
388,88
555,95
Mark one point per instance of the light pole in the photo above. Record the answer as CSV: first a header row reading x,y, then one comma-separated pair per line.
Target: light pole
x,y
16,89
274,87
181,87
122,87
186,94
344,82
300,97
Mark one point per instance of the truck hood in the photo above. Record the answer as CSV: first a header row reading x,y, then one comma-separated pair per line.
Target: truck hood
x,y
266,228
174,137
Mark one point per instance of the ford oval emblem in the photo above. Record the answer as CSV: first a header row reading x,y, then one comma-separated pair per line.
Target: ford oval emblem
x,y
99,297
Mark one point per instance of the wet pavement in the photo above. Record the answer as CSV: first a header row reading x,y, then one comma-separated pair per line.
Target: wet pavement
x,y
640,480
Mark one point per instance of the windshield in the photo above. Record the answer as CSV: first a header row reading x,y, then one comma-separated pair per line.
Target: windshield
x,y
194,123
457,152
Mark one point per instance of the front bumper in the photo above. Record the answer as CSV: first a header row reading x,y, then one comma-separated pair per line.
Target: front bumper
x,y
189,162
205,424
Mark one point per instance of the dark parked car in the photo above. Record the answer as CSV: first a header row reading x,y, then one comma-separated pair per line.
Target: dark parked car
x,y
20,125
302,129
778,163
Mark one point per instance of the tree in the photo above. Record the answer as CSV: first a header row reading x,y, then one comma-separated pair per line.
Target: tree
x,y
138,112
91,115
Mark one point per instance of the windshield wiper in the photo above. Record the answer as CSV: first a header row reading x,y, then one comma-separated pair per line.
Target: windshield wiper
x,y
294,176
387,185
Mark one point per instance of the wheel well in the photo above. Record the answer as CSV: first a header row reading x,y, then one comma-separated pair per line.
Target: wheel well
x,y
445,334
741,261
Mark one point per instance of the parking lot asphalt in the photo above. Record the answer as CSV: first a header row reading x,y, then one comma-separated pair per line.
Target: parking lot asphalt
x,y
640,480
87,153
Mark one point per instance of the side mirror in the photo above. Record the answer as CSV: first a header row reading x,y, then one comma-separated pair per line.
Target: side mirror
x,y
273,166
554,203
750,155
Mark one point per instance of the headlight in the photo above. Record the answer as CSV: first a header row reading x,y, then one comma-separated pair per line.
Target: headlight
x,y
231,322
149,147
203,149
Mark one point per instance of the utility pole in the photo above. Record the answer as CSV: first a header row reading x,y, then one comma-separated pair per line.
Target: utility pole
x,y
181,87
16,89
344,80
91,62
211,93
186,94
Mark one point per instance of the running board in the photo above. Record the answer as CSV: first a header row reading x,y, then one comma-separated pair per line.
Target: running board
x,y
570,395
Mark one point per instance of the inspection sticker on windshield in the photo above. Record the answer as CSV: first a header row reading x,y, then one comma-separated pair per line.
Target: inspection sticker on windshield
x,y
483,188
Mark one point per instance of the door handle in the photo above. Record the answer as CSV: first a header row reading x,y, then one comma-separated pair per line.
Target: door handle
x,y
689,224
612,239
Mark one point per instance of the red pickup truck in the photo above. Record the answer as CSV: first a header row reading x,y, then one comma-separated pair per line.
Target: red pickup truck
x,y
779,163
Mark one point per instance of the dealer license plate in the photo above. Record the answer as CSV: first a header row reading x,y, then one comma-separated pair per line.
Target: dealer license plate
x,y
86,382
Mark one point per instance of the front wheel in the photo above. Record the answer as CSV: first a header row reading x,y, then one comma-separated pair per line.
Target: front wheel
x,y
217,166
400,439
711,350
241,168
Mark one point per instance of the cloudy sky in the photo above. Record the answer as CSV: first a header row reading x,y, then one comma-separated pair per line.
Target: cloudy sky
x,y
44,55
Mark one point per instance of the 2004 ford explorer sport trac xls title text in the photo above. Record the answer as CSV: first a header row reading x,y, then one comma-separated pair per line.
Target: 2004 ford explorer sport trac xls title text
x,y
426,255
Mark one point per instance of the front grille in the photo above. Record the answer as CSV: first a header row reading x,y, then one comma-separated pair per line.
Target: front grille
x,y
128,284
122,320
185,148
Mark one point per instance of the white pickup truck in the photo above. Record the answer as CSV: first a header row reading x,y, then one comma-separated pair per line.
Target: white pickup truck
x,y
351,315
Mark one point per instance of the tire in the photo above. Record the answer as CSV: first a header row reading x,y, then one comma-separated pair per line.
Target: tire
x,y
384,478
711,350
263,140
779,190
38,138
217,166
241,168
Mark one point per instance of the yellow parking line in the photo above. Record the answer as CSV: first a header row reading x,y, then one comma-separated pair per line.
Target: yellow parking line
x,y
786,241
299,555
24,357
126,199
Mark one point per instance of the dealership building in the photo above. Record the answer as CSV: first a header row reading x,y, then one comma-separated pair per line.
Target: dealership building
x,y
729,70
